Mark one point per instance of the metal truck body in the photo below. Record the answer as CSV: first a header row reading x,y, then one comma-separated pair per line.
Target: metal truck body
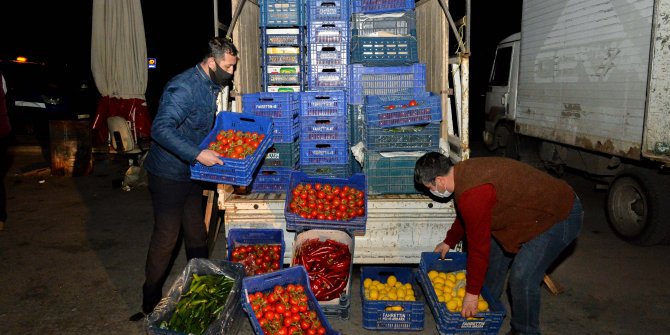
x,y
398,226
591,81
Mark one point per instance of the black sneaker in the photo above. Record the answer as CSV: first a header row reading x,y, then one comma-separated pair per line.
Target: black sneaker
x,y
137,317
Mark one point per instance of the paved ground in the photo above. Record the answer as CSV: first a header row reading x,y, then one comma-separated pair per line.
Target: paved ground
x,y
73,250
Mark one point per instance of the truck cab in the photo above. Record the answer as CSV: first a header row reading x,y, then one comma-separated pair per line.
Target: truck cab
x,y
501,95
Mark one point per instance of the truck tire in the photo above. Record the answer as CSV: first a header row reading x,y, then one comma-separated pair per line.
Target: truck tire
x,y
637,207
505,141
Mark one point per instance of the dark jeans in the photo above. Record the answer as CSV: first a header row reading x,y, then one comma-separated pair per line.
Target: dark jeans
x,y
177,207
527,269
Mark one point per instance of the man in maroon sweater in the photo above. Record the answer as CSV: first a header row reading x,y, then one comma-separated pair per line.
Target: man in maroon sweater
x,y
514,218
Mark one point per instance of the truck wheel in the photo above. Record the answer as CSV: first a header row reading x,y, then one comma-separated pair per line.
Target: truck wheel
x,y
506,141
637,204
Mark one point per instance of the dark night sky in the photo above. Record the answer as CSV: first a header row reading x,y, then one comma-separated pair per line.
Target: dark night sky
x,y
59,32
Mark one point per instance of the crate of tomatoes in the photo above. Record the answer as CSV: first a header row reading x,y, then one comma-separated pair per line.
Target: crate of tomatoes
x,y
282,302
326,203
242,140
259,250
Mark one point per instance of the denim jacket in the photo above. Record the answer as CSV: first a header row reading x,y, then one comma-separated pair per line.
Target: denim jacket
x,y
186,114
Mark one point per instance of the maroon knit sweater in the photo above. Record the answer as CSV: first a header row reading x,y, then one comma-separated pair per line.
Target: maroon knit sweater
x,y
509,200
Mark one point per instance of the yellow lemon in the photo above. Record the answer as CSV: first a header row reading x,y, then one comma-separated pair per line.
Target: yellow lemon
x,y
432,274
374,294
442,275
460,275
451,277
367,282
438,280
391,280
452,305
400,292
483,306
461,292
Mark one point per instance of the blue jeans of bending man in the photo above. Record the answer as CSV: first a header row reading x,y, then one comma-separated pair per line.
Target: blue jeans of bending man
x,y
527,268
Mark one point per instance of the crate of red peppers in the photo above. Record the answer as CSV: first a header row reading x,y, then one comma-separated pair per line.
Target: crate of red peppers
x,y
283,303
259,250
327,255
326,203
241,140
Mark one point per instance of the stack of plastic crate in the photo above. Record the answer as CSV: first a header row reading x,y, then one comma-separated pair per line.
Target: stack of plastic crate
x,y
282,44
324,141
327,44
283,157
390,111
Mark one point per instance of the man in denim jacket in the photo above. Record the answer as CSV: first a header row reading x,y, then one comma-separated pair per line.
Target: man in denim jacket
x,y
186,114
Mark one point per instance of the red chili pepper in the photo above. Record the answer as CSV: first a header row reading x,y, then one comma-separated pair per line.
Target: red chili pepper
x,y
335,292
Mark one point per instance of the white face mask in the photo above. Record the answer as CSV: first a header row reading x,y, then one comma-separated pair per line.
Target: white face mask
x,y
445,194
439,194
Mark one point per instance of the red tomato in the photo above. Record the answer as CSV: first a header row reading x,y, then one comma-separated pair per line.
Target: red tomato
x,y
413,103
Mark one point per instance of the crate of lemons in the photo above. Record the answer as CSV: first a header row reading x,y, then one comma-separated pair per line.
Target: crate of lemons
x,y
391,299
450,290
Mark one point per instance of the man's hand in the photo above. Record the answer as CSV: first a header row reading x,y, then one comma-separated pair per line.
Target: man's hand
x,y
209,157
443,249
470,302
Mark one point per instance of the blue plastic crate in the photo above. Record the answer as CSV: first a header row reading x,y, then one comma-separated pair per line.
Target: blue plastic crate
x,y
384,51
327,10
282,155
328,32
296,222
381,6
324,152
323,103
283,75
323,128
327,77
384,112
389,175
397,23
329,170
328,54
271,104
267,282
271,180
375,315
275,37
282,13
286,130
235,171
406,138
394,82
254,236
282,59
452,322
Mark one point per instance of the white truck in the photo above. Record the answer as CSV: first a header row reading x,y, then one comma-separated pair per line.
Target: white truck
x,y
400,226
590,82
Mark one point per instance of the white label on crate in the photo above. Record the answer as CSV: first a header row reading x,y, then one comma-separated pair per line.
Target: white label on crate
x,y
473,324
272,155
284,31
275,89
393,317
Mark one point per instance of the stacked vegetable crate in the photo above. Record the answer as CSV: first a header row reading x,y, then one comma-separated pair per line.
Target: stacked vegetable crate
x,y
324,140
282,45
283,157
328,44
390,111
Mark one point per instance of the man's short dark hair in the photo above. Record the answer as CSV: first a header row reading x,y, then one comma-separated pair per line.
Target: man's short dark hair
x,y
430,166
219,46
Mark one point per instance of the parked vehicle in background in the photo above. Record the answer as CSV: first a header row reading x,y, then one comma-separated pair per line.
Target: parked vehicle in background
x,y
589,80
38,92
